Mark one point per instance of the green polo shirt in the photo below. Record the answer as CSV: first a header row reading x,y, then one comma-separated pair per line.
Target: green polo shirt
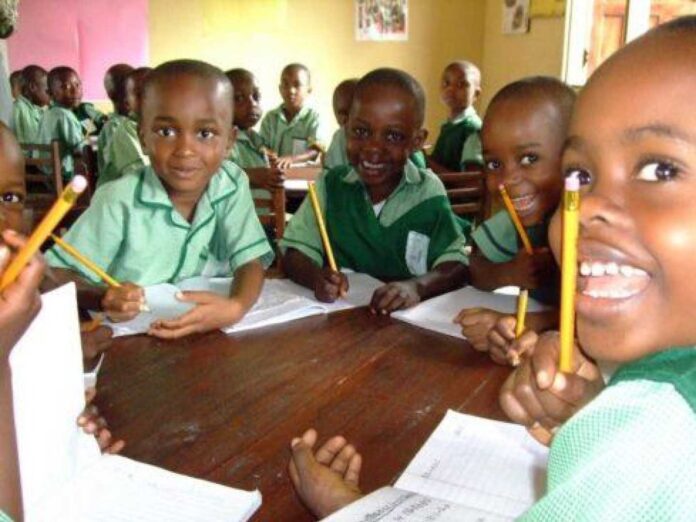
x,y
414,231
247,152
104,140
458,143
59,123
133,231
125,154
26,118
4,517
630,454
289,138
91,118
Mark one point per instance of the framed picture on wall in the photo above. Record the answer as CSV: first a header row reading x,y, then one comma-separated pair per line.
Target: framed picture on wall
x,y
515,16
381,20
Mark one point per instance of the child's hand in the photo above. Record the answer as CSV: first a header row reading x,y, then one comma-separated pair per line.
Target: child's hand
x,y
212,312
275,178
394,296
330,285
20,301
123,303
94,424
539,396
95,339
282,162
266,177
477,324
532,271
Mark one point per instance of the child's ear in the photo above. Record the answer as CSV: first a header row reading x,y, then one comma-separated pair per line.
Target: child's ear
x,y
477,93
419,139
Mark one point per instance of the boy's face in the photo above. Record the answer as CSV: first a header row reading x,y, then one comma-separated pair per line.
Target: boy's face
x,y
633,134
456,91
66,90
294,88
186,130
522,142
132,100
341,105
383,131
12,188
247,111
38,91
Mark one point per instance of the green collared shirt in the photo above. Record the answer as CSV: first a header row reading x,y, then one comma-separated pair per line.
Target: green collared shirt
x,y
413,231
293,137
133,231
337,155
458,143
59,123
104,140
125,153
247,152
26,118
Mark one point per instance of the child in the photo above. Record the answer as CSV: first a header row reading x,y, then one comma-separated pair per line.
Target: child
x,y
115,87
188,215
124,153
292,130
336,154
248,151
629,454
29,106
384,216
59,122
523,135
458,144
16,83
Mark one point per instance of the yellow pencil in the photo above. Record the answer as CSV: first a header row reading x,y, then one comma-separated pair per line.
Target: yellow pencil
x,y
82,259
50,221
569,270
322,227
522,301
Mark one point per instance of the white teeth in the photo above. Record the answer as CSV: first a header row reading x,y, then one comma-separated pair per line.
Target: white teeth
x,y
612,269
371,165
626,271
599,269
609,294
585,268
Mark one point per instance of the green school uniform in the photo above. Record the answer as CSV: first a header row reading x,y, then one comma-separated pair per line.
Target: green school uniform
x,y
26,118
458,143
247,152
125,154
59,123
413,231
91,118
105,135
289,138
4,517
630,454
134,232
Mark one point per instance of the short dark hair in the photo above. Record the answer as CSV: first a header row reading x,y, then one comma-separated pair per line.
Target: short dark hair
x,y
346,85
196,68
17,76
57,73
115,80
686,24
473,73
31,73
239,74
297,67
399,79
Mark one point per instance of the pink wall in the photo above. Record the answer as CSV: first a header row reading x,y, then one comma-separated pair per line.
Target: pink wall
x,y
87,35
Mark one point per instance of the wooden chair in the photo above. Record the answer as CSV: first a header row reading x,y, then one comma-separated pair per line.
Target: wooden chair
x,y
48,158
273,219
466,192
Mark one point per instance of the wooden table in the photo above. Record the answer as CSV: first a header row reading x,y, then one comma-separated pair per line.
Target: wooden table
x,y
225,408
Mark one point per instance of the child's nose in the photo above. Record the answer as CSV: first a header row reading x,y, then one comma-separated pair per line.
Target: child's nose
x,y
511,175
185,144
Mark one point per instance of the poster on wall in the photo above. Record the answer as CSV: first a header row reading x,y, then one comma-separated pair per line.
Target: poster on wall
x,y
381,20
515,16
547,8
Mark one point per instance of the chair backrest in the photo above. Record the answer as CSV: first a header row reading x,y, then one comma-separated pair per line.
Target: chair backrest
x,y
275,207
46,159
467,193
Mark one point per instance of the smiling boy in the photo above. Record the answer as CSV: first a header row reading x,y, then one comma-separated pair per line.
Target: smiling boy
x,y
187,215
384,216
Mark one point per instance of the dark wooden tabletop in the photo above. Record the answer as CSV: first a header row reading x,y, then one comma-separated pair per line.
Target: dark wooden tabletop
x,y
225,408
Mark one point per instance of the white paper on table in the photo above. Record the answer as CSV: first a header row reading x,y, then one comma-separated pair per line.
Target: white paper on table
x,y
296,184
63,474
438,313
469,469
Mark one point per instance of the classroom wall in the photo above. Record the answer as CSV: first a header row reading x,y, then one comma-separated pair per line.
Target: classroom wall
x,y
264,35
509,57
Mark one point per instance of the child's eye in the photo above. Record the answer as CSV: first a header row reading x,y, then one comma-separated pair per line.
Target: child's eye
x,y
583,175
492,165
657,171
165,132
11,197
206,134
529,159
359,132
395,137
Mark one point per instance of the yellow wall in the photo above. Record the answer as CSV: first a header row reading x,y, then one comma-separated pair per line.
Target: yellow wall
x,y
264,35
509,57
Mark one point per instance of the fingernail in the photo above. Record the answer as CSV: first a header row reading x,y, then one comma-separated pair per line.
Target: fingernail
x,y
535,426
144,307
542,379
4,253
81,420
555,429
179,295
559,382
295,442
514,359
11,232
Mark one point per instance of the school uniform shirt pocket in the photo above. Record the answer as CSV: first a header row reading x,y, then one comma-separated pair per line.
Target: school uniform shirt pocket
x,y
417,245
299,146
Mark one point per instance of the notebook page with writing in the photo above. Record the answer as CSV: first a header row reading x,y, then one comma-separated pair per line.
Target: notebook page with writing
x,y
439,312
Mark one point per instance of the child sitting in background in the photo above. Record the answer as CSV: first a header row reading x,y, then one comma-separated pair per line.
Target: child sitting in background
x,y
59,121
188,215
458,144
384,216
523,134
124,152
291,131
248,151
336,154
115,87
30,104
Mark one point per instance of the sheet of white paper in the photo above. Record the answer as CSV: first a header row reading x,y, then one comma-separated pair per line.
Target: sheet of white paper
x,y
394,505
296,184
491,466
438,313
90,377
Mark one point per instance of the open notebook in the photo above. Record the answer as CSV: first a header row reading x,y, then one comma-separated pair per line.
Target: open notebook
x,y
470,469
438,313
63,474
281,301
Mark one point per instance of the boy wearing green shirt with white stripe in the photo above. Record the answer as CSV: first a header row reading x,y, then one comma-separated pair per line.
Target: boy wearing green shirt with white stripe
x,y
384,216
115,87
189,214
29,106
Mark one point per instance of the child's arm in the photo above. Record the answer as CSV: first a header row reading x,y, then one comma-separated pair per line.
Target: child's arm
x,y
523,270
327,284
285,162
265,177
212,310
403,294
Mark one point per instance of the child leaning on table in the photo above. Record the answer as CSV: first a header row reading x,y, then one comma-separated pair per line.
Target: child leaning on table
x,y
630,453
384,216
189,214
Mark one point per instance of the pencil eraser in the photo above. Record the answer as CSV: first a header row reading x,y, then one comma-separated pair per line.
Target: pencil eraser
x,y
572,182
79,184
